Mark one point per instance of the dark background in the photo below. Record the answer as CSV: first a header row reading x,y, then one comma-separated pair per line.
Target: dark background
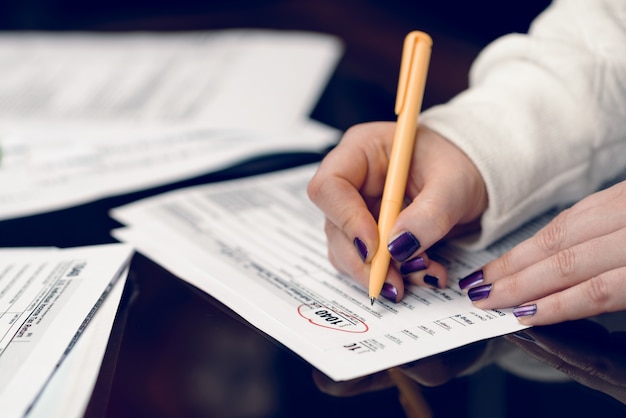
x,y
372,31
362,89
175,351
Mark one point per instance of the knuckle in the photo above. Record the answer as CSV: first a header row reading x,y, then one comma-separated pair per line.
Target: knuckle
x,y
507,263
513,285
443,224
552,236
355,134
598,292
441,221
354,131
558,305
565,262
314,188
348,218
619,194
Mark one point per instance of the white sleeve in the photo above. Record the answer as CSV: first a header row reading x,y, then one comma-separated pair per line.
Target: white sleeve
x,y
544,118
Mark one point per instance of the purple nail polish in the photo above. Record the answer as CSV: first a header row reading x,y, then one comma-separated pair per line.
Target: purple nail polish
x,y
471,280
361,248
479,292
526,310
389,292
431,280
413,265
403,246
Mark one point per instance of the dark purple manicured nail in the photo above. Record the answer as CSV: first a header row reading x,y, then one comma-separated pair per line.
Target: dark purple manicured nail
x,y
389,292
471,280
403,246
480,292
361,248
431,280
413,265
526,310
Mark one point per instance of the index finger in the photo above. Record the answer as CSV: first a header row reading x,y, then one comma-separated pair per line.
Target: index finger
x,y
571,227
348,177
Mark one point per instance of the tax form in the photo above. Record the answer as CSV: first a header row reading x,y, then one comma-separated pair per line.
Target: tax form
x,y
68,392
258,245
47,299
85,116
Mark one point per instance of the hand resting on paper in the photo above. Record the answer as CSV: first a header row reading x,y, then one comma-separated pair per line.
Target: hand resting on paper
x,y
530,133
575,267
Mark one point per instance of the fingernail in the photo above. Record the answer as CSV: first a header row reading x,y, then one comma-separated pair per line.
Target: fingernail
x,y
389,292
403,246
471,280
431,280
524,336
479,292
526,310
413,265
361,248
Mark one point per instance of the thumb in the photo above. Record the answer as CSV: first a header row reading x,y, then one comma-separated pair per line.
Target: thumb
x,y
442,204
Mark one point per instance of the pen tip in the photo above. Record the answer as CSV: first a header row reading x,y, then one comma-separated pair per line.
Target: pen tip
x,y
372,300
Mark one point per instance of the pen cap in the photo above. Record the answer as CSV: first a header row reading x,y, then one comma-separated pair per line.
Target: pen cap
x,y
413,68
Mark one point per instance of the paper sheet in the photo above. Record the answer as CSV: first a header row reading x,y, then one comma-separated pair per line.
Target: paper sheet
x,y
85,116
68,392
248,79
258,245
59,169
47,299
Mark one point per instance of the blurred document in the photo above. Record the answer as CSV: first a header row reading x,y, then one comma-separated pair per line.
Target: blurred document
x,y
85,116
258,245
69,391
47,299
42,171
247,79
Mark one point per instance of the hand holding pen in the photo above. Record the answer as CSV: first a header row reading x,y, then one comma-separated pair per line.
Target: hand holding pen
x,y
443,191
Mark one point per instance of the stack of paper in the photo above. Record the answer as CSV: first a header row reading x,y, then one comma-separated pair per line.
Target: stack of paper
x,y
49,299
85,116
258,245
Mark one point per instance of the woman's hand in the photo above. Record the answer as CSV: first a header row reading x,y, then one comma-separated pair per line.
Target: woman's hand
x,y
444,191
573,268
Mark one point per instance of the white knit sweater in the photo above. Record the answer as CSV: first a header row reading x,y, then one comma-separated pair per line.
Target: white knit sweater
x,y
544,118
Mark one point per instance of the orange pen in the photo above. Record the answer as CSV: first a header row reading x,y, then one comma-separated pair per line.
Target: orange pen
x,y
413,70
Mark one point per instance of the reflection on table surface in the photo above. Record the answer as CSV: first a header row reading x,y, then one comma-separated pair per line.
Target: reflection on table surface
x,y
176,352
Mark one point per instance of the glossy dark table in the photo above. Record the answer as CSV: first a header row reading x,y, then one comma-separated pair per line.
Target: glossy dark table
x,y
177,352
